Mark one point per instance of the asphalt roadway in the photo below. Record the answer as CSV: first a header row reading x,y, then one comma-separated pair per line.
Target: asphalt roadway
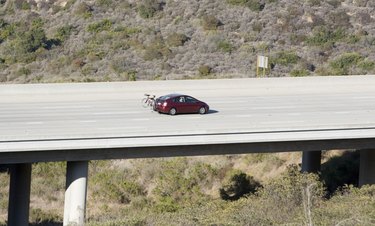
x,y
265,108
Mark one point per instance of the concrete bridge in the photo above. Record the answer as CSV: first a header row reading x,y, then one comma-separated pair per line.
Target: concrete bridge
x,y
81,122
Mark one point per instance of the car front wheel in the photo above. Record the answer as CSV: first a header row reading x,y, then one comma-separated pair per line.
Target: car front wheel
x,y
173,111
202,110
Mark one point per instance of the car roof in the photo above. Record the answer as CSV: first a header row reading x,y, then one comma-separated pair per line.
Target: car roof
x,y
172,95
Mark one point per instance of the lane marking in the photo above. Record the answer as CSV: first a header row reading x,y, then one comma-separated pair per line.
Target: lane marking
x,y
66,107
116,113
343,112
87,121
34,123
273,107
282,122
294,114
141,119
243,116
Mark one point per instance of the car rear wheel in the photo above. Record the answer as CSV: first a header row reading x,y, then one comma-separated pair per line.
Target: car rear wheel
x,y
202,110
173,111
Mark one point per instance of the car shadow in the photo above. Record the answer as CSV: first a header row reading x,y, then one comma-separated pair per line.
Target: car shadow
x,y
211,111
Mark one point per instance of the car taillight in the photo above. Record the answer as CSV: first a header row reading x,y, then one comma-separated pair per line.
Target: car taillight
x,y
165,104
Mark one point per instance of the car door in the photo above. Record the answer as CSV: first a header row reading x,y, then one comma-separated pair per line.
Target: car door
x,y
180,104
191,104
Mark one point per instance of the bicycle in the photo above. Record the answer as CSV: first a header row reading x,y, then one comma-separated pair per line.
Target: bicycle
x,y
148,101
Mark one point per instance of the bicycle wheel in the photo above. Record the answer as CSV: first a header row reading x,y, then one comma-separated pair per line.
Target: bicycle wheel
x,y
145,102
152,104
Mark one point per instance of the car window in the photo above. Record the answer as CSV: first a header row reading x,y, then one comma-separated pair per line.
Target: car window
x,y
164,97
181,99
190,100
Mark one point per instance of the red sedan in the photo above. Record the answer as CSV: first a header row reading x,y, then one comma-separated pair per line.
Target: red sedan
x,y
177,103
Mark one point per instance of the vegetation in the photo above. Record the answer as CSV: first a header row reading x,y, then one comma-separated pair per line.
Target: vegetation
x,y
226,190
76,41
254,5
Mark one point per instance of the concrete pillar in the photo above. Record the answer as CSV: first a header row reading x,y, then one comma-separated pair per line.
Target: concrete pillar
x,y
75,194
311,161
367,167
19,194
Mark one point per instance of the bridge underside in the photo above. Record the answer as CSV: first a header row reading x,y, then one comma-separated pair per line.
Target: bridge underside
x,y
76,186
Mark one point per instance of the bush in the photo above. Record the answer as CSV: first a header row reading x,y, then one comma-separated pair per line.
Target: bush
x,y
6,30
30,40
344,62
204,70
104,3
43,218
237,185
149,8
225,46
23,71
366,65
323,36
285,58
286,196
176,39
299,73
210,22
254,5
114,186
104,25
156,50
83,10
64,32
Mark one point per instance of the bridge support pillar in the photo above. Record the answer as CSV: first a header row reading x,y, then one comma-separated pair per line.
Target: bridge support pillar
x,y
19,194
311,161
367,167
75,194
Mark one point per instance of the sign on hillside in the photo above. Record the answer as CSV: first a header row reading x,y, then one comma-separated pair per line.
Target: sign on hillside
x,y
262,62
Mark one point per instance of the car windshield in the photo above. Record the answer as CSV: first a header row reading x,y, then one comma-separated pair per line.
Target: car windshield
x,y
164,97
190,100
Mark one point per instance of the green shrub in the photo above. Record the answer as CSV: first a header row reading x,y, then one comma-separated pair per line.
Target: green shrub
x,y
209,22
352,39
285,58
366,65
257,26
43,218
254,5
146,12
237,185
25,6
104,25
324,36
178,184
104,3
84,10
149,8
204,70
299,73
156,50
130,75
112,185
225,46
176,39
314,2
64,32
23,71
6,30
344,62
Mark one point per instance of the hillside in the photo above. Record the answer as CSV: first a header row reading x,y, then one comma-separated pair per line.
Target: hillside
x,y
112,40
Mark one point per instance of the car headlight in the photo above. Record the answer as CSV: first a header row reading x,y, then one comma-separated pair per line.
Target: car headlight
x,y
165,104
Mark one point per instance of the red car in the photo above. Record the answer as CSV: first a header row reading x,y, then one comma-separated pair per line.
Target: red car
x,y
177,103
